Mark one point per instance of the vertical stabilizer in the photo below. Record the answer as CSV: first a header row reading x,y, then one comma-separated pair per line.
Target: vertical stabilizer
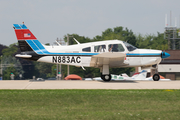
x,y
26,40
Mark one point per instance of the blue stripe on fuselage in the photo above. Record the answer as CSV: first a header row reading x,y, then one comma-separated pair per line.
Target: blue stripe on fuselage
x,y
143,54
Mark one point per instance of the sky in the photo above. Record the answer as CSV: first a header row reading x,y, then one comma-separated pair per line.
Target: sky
x,y
52,19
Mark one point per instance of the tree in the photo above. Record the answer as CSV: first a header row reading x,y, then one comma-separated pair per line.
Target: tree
x,y
117,33
1,48
42,69
8,71
11,65
11,50
80,39
151,42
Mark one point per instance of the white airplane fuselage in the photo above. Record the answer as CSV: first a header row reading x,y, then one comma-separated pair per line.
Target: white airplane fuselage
x,y
71,55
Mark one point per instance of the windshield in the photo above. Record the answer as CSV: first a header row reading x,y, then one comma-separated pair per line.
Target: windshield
x,y
115,48
129,46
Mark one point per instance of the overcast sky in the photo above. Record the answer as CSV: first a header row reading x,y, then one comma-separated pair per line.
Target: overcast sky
x,y
49,19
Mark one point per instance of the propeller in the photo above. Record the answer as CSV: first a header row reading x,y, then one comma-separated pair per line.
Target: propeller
x,y
164,54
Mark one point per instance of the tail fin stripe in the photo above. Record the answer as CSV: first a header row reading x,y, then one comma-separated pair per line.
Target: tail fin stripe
x,y
41,47
40,50
38,44
37,47
34,47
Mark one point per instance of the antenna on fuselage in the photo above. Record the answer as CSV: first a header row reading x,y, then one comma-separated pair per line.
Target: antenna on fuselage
x,y
76,40
83,68
58,43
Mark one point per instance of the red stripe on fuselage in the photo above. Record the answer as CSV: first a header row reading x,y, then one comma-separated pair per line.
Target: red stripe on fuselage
x,y
24,34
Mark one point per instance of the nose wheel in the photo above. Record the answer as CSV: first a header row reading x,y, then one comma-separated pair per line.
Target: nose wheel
x,y
156,77
106,77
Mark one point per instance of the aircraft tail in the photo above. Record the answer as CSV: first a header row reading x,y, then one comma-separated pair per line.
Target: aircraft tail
x,y
28,43
23,34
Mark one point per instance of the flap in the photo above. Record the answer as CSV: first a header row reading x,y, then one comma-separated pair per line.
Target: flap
x,y
113,59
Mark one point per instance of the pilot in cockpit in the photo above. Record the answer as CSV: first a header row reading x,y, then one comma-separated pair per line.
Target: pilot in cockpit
x,y
114,48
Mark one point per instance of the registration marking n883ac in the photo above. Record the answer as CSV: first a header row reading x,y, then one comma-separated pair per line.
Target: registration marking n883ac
x,y
66,59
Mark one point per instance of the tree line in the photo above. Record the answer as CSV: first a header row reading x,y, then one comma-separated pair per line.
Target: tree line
x,y
18,66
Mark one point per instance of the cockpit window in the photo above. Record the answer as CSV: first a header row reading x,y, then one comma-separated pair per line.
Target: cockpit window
x,y
129,46
100,48
116,48
87,49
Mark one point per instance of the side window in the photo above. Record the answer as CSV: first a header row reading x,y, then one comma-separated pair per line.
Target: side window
x,y
100,48
87,49
115,48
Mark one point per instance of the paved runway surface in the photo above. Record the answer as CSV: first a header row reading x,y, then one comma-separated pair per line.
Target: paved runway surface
x,y
62,84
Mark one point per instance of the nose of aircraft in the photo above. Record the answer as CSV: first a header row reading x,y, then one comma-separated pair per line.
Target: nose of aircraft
x,y
165,55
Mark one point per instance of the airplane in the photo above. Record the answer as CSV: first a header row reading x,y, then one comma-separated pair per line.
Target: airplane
x,y
102,54
137,76
141,76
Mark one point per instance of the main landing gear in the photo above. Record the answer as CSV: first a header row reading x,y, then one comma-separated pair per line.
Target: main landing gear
x,y
106,77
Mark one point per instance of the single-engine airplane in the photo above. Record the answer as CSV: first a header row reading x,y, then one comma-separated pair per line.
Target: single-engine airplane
x,y
141,76
102,54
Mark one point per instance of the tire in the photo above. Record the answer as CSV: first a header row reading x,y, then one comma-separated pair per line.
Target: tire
x,y
106,78
156,77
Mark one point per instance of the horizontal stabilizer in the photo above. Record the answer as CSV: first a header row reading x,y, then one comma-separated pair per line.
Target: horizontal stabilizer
x,y
23,56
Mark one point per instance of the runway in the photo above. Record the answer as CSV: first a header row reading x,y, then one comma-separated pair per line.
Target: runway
x,y
63,84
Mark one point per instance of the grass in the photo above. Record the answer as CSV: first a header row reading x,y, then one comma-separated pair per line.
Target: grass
x,y
89,104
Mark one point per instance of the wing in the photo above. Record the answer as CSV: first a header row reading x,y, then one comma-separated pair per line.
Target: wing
x,y
113,59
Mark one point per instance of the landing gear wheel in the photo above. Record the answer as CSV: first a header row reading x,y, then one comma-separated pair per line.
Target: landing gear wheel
x,y
156,77
106,78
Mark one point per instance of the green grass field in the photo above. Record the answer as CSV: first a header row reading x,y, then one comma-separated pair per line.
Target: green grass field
x,y
90,104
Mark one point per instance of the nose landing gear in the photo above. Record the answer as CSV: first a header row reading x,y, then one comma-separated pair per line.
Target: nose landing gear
x,y
156,77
